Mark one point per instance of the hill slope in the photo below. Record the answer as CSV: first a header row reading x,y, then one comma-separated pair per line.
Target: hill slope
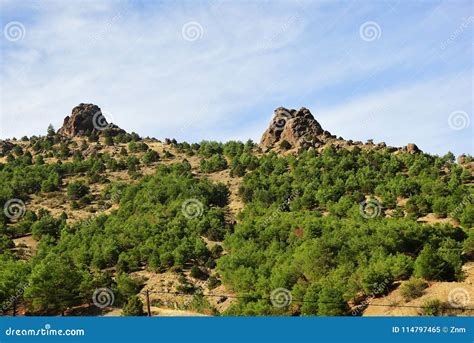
x,y
315,226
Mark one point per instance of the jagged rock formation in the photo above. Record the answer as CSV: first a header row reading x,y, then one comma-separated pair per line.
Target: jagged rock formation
x,y
297,127
301,130
86,119
466,162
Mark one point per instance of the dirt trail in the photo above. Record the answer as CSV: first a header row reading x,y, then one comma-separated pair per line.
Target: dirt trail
x,y
162,288
158,312
235,202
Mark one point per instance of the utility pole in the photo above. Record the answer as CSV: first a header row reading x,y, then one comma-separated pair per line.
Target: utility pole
x,y
148,302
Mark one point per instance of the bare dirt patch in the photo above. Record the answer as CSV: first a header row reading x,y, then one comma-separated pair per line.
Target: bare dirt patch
x,y
431,218
235,202
163,290
158,312
436,290
26,246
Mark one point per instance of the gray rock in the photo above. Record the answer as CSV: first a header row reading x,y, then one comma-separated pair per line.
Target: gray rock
x,y
87,118
412,148
5,147
298,127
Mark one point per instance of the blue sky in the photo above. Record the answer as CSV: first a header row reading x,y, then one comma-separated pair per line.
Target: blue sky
x,y
393,71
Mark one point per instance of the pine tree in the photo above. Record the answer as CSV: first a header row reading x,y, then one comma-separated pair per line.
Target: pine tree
x,y
429,264
134,307
51,131
331,303
54,285
310,305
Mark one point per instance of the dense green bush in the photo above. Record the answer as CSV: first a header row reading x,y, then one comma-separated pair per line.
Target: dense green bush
x,y
285,145
213,164
432,307
54,284
431,266
467,217
331,302
47,225
198,273
13,279
413,288
77,190
134,307
137,147
150,156
213,282
52,183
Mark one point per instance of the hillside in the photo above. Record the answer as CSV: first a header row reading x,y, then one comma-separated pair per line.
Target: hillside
x,y
304,223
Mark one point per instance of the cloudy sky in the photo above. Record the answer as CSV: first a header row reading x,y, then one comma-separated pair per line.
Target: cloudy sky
x,y
395,71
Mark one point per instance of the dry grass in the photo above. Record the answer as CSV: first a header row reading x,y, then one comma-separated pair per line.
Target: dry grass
x,y
163,285
158,312
436,290
431,218
26,246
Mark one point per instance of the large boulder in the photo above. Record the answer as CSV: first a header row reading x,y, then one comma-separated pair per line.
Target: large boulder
x,y
412,148
297,127
5,147
86,119
462,159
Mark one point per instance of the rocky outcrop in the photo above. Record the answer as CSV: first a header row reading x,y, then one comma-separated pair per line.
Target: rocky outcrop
x,y
297,127
291,129
462,159
5,147
86,119
412,148
92,149
466,161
